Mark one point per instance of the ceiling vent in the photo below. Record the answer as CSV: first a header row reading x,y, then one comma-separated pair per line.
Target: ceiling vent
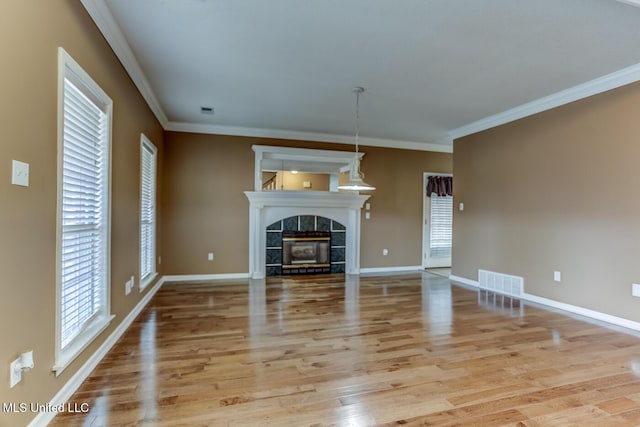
x,y
206,110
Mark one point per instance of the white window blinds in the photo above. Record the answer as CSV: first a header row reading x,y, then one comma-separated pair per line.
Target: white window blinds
x,y
83,206
147,211
441,225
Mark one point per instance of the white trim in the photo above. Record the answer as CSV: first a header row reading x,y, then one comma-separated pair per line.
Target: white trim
x,y
426,214
371,270
68,68
266,207
79,344
443,145
99,12
104,20
604,317
614,320
204,277
72,385
314,160
607,82
147,281
464,281
149,277
101,15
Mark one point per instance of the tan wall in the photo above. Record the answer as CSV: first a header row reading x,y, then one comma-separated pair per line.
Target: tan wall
x,y
30,33
291,181
556,191
285,180
205,209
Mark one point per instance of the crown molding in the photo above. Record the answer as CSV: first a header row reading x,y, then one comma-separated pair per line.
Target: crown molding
x,y
443,146
607,82
101,15
111,31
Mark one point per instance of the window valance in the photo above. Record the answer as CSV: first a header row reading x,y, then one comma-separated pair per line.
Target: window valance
x,y
440,185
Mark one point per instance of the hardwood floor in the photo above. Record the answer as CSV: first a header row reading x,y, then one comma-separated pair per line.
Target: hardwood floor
x,y
388,350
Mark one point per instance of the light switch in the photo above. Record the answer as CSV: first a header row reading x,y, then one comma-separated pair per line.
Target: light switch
x,y
367,215
461,206
20,173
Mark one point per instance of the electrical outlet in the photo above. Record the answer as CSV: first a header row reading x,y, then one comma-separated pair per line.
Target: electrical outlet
x,y
15,372
127,287
20,173
210,256
385,252
635,290
22,364
557,276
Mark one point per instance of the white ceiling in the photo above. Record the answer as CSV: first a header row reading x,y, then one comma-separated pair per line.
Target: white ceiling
x,y
433,69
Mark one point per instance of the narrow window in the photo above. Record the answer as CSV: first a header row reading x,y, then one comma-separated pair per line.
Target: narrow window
x,y
83,237
148,178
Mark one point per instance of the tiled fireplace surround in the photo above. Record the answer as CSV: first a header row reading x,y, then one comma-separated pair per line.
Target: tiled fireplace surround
x,y
305,223
270,207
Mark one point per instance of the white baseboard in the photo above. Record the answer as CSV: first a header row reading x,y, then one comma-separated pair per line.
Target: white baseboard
x,y
391,269
464,281
205,277
614,320
597,315
65,393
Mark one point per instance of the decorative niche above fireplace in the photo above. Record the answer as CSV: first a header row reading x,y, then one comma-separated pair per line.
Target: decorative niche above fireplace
x,y
267,207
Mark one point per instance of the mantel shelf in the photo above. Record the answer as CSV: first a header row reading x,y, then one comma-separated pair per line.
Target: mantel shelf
x,y
325,199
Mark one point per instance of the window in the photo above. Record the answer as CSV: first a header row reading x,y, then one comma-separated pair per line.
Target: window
x,y
441,225
83,238
148,177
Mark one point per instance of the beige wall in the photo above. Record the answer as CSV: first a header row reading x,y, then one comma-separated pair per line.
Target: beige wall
x,y
30,33
286,180
295,181
205,209
556,191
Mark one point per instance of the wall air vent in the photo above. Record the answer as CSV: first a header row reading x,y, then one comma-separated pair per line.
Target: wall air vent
x,y
207,110
501,283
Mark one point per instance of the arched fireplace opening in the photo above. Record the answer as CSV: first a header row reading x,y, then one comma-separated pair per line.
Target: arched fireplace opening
x,y
305,244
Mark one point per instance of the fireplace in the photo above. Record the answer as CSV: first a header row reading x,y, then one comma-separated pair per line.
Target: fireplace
x,y
306,252
341,212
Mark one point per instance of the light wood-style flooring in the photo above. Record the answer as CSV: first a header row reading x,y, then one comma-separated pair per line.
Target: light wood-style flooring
x,y
389,350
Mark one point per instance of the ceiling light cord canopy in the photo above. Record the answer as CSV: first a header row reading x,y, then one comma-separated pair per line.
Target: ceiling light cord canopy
x,y
356,176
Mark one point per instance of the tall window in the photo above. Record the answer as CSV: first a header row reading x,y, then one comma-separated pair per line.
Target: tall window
x,y
148,177
83,301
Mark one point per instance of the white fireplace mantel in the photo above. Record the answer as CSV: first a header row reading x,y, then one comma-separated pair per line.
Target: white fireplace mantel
x,y
267,207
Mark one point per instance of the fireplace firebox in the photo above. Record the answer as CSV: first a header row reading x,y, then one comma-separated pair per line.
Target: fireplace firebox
x,y
306,252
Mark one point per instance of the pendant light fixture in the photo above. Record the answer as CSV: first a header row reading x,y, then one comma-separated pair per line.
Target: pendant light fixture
x,y
356,177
